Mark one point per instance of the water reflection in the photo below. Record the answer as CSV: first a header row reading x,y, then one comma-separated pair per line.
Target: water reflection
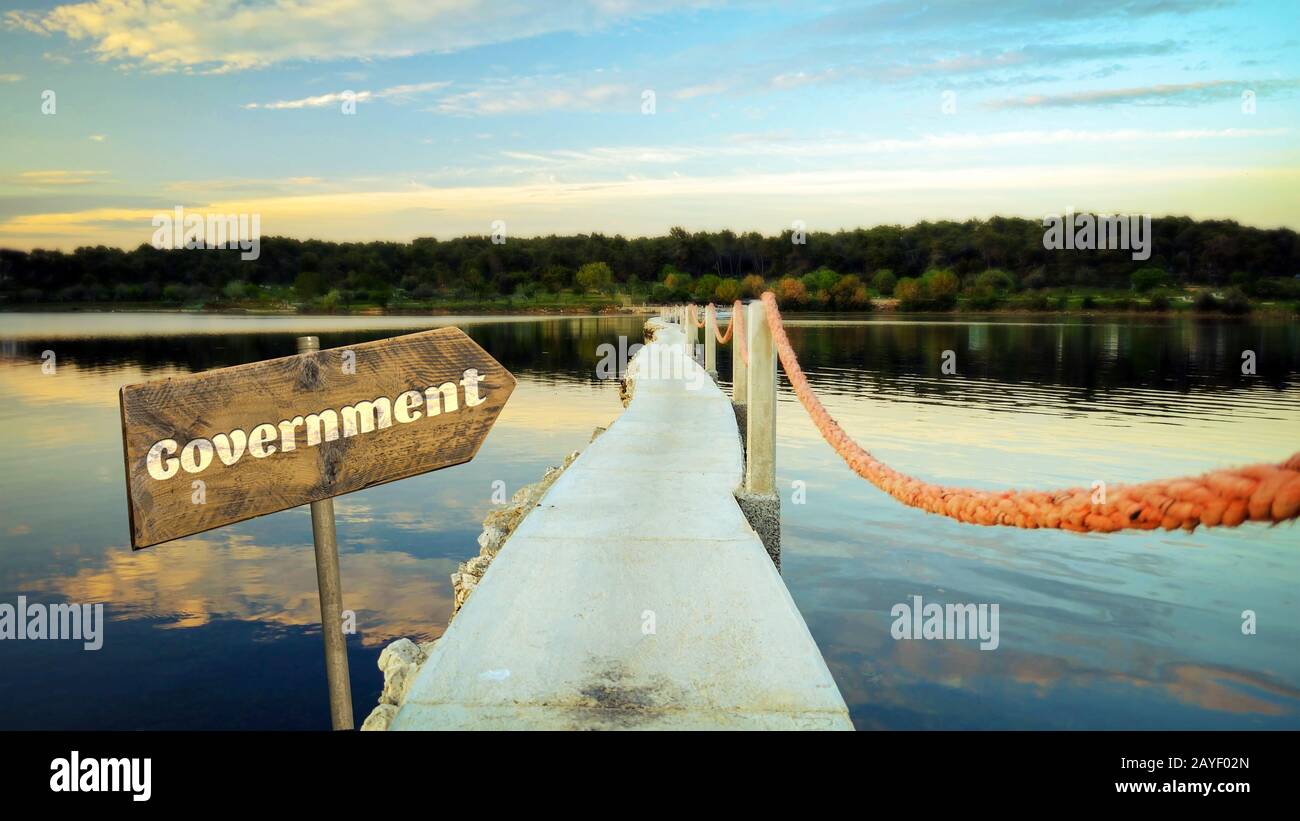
x,y
231,592
1129,630
197,581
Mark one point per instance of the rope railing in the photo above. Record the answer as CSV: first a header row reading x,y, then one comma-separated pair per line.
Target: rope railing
x,y
1257,493
735,327
723,338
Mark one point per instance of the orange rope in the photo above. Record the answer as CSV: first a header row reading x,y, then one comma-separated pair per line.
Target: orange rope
x,y
723,339
1257,493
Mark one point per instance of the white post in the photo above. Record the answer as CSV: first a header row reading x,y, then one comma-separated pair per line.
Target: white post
x,y
760,416
739,370
710,340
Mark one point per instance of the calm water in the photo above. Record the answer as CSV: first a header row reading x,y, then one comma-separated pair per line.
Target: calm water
x,y
1142,630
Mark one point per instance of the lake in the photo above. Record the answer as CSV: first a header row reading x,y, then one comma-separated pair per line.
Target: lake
x,y
1144,630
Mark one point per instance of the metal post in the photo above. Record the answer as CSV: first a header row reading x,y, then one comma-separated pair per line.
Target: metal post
x,y
330,586
710,340
739,370
760,418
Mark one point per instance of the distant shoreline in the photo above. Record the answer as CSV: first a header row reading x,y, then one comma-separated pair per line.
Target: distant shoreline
x,y
82,308
885,307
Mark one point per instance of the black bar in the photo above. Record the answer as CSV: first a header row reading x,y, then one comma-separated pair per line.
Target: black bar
x,y
437,772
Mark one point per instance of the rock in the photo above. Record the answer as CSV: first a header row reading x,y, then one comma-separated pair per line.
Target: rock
x,y
402,651
462,585
397,680
506,518
379,718
400,662
490,540
522,495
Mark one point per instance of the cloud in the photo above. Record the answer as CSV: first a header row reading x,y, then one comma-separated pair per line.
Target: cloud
x,y
835,195
228,35
1047,54
904,15
1163,94
535,94
97,138
57,178
783,147
701,90
795,79
246,185
399,92
394,594
10,78
990,65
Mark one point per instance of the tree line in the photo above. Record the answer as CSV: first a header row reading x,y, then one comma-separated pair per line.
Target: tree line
x,y
929,264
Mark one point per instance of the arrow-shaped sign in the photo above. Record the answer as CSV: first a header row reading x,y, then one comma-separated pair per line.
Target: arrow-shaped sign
x,y
277,434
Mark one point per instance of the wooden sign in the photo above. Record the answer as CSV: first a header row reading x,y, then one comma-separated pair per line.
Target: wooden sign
x,y
212,448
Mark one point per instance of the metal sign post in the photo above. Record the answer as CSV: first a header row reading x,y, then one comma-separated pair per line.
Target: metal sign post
x,y
330,585
282,433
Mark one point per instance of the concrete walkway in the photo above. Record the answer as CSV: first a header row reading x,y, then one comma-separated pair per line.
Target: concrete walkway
x,y
635,595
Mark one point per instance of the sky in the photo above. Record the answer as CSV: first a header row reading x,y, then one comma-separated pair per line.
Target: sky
x,y
395,119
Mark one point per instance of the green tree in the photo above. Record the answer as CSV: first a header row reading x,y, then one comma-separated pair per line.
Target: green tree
x,y
849,293
679,284
556,278
331,301
910,294
996,280
1144,279
594,276
727,292
308,284
940,287
1235,301
884,282
790,292
705,286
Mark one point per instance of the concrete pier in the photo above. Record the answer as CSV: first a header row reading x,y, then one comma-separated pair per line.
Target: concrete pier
x,y
635,595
